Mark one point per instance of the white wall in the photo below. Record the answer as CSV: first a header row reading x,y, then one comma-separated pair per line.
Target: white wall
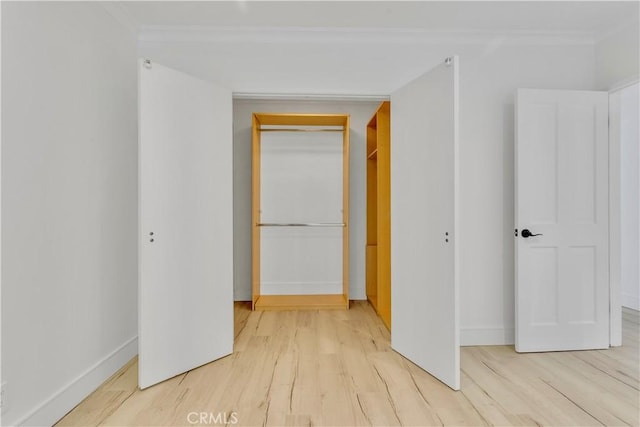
x,y
488,80
618,56
301,182
69,197
630,196
360,113
617,64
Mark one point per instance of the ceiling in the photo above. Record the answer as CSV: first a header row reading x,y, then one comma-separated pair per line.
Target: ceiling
x,y
350,47
588,16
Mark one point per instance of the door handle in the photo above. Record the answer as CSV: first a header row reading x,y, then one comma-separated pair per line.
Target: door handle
x,y
526,234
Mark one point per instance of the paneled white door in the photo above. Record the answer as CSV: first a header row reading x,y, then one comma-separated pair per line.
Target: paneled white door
x,y
424,188
186,222
561,208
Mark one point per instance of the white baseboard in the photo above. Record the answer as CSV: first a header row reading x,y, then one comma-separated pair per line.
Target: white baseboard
x,y
631,301
487,336
65,399
245,294
242,294
357,294
300,288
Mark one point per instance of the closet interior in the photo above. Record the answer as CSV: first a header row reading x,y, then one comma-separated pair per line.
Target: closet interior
x,y
300,211
378,250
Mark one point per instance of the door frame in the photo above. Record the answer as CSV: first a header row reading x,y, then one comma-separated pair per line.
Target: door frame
x,y
615,297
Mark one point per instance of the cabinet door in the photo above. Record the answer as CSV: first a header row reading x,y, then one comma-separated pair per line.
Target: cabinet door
x,y
186,278
424,290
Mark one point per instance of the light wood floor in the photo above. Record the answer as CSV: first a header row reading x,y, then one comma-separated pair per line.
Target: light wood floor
x,y
336,368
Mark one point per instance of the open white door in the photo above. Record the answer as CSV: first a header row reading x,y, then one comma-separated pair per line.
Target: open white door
x,y
186,266
561,208
424,291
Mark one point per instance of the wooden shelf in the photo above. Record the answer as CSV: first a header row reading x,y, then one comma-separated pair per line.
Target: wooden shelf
x,y
302,302
288,119
373,155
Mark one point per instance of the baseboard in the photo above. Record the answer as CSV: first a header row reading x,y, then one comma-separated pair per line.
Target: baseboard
x,y
242,294
486,336
631,301
300,288
357,294
65,399
245,295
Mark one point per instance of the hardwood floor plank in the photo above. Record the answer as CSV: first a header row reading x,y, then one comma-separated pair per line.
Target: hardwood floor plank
x,y
377,408
336,368
95,409
336,404
625,371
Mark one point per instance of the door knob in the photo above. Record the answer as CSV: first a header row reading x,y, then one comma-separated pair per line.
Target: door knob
x,y
526,234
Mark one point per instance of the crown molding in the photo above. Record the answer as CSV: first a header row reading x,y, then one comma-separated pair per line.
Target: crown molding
x,y
193,34
308,97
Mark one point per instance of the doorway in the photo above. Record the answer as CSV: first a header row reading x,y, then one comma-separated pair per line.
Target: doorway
x,y
624,209
359,111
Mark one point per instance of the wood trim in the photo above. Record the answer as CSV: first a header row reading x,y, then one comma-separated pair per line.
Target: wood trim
x,y
255,211
289,302
345,210
378,258
302,302
371,255
286,119
384,212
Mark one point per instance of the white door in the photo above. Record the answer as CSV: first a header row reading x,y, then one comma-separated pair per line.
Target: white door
x,y
561,208
186,265
424,290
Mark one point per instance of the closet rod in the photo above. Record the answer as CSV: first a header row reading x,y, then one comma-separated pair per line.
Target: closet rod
x,y
300,130
304,224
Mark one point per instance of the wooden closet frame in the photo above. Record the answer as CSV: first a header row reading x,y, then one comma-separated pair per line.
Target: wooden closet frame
x,y
297,302
378,249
